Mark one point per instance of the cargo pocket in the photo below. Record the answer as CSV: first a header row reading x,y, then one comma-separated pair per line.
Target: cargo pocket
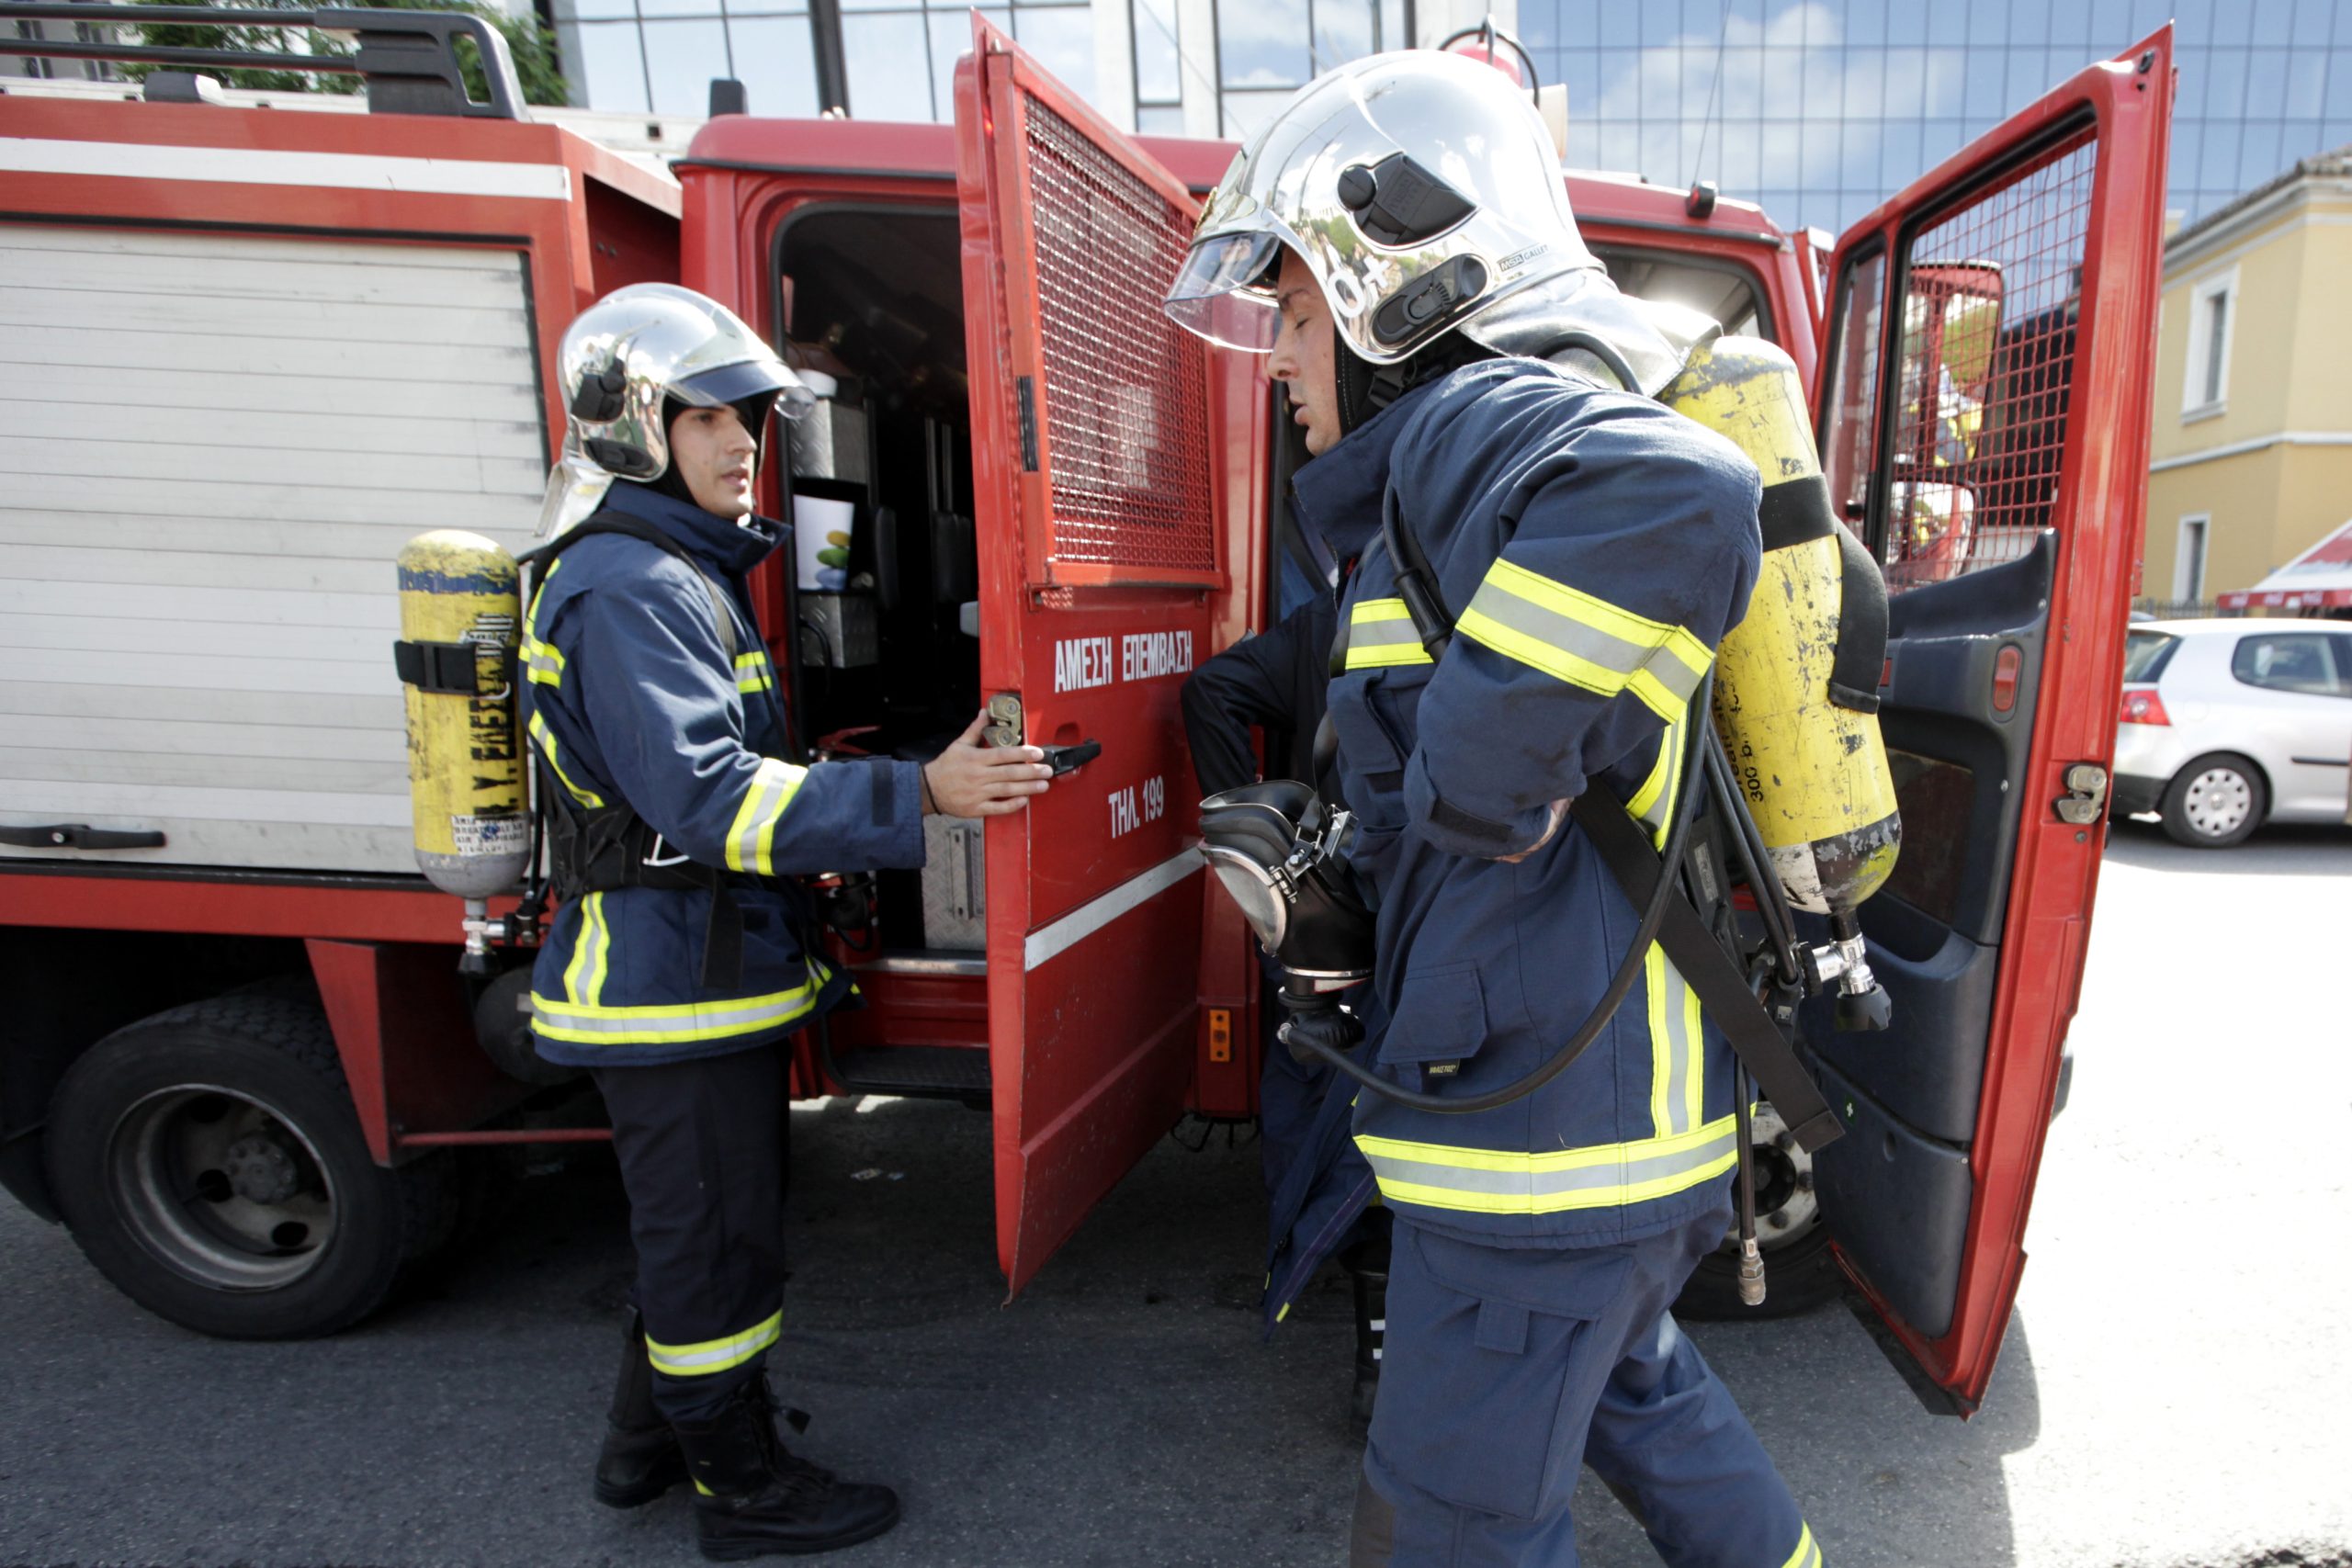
x,y
1439,1017
1494,1360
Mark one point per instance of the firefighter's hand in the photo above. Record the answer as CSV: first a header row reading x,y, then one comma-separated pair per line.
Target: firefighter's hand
x,y
972,778
1559,809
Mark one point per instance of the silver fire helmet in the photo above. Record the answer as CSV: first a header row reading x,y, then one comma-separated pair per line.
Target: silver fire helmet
x,y
627,355
1422,190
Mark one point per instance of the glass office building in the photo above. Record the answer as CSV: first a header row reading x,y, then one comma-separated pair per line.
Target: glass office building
x,y
1820,109
1816,108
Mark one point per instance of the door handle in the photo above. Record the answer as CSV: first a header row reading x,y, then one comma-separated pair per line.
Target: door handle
x,y
1063,759
81,836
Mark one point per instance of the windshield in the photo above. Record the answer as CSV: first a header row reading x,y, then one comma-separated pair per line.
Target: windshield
x,y
2144,654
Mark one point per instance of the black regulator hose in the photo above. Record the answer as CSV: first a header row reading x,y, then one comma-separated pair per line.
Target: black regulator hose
x,y
1697,728
1756,860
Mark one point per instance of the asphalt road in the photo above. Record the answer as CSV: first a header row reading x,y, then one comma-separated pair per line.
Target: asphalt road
x,y
2176,1391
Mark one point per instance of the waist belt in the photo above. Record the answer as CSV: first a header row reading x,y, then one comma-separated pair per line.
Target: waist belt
x,y
611,847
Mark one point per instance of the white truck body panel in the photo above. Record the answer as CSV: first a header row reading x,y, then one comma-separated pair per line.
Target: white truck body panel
x,y
212,447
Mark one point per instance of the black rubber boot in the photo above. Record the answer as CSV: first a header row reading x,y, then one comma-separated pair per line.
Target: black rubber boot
x,y
640,1458
755,1497
1372,1330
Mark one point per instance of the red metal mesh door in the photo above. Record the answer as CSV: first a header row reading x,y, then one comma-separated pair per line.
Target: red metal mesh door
x,y
1126,451
1990,303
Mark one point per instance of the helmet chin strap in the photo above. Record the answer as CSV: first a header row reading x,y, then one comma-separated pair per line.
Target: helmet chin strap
x,y
1364,388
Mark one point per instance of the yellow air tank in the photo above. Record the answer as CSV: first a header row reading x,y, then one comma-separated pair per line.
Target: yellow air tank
x,y
1802,731
459,618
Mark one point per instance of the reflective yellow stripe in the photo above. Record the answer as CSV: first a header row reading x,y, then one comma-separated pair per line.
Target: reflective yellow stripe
x,y
1808,1551
1502,1182
1695,1082
700,1361
1653,803
576,971
751,838
1661,1041
600,937
751,673
1677,1066
1381,635
1585,641
540,660
572,1017
546,737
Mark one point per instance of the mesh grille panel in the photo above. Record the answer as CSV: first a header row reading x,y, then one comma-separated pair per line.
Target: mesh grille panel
x,y
1989,314
1126,390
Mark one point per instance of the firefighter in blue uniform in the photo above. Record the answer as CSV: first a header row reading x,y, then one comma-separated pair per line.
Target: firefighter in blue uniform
x,y
1318,1189
1398,238
680,960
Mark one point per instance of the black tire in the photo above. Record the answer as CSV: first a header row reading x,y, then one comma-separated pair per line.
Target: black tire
x,y
307,1236
1799,1272
2215,801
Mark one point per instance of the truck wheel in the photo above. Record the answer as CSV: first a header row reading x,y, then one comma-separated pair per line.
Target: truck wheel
x,y
2214,802
209,1162
1799,1273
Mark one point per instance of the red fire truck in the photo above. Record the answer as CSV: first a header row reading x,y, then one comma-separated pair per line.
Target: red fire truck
x,y
254,351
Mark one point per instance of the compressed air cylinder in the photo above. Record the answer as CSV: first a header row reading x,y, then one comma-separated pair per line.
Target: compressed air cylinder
x,y
459,629
1812,769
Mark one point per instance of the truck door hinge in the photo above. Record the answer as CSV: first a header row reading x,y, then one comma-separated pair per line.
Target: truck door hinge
x,y
2085,794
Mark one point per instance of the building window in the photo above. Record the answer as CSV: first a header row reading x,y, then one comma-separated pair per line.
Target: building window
x,y
1266,50
1159,65
2188,560
2213,323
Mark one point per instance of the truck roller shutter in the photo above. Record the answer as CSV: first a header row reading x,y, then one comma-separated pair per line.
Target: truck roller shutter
x,y
213,445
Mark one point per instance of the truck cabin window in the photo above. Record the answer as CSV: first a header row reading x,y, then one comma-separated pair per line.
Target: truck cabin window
x,y
1718,289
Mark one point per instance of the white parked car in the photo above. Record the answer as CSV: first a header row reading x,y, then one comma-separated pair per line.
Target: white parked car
x,y
2229,723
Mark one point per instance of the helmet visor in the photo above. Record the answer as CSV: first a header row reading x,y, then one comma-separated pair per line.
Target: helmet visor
x,y
1224,291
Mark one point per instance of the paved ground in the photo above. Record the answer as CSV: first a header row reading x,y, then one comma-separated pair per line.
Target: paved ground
x,y
2176,1391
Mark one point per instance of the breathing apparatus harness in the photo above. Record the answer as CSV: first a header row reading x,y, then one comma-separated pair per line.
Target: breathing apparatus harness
x,y
1283,856
602,849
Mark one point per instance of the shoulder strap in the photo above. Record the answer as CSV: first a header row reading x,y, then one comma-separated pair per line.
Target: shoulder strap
x,y
613,522
1721,990
1708,972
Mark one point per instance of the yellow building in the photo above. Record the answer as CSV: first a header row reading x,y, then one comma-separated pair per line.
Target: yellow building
x,y
2250,462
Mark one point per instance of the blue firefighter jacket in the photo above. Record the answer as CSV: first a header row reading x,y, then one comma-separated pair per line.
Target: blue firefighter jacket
x,y
1594,547
631,696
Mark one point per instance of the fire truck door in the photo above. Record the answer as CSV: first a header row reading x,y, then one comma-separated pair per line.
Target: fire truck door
x,y
1984,419
1098,512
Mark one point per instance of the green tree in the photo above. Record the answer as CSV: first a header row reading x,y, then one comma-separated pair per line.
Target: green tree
x,y
536,63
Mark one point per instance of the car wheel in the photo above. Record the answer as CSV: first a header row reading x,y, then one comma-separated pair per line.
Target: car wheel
x,y
1799,1272
208,1162
2215,801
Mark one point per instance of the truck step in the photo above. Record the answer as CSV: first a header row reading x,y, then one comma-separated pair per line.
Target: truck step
x,y
932,1072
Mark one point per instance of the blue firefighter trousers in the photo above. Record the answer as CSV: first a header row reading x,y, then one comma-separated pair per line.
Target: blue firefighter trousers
x,y
1507,1368
703,1147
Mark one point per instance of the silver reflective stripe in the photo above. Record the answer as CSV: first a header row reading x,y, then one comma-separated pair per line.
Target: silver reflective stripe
x,y
771,789
542,662
1590,644
1382,634
1682,1057
1537,1182
1669,760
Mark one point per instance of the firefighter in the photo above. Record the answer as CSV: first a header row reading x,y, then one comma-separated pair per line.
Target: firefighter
x,y
1398,239
680,960
1318,1187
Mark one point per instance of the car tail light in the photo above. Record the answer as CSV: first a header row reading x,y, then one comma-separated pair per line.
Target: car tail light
x,y
2144,707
